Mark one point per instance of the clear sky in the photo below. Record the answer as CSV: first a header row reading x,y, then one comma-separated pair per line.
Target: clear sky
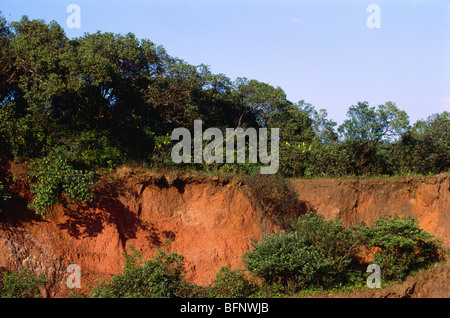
x,y
320,51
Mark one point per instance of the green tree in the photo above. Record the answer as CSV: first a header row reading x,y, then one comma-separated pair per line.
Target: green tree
x,y
365,129
295,125
7,66
372,124
323,129
432,147
130,93
35,52
261,99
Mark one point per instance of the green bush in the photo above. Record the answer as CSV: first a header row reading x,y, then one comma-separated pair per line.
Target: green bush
x,y
95,149
337,245
55,180
316,253
21,285
232,284
282,257
160,277
401,247
325,254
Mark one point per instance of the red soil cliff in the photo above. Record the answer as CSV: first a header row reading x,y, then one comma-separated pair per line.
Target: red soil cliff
x,y
209,220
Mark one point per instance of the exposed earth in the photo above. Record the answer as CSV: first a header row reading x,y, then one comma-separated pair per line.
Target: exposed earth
x,y
209,221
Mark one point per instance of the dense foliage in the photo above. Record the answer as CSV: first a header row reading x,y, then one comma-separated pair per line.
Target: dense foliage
x,y
326,254
109,99
55,180
401,247
162,276
21,285
230,283
316,254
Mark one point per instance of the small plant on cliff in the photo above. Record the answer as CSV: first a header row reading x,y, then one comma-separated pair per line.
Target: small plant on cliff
x,y
55,180
160,277
21,285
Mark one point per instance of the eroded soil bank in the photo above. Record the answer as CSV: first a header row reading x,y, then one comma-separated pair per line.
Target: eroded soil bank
x,y
208,219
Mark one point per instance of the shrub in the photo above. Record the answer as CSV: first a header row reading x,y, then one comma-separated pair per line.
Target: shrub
x,y
281,258
316,253
294,157
232,284
401,247
21,285
55,180
161,154
95,149
337,245
324,253
160,277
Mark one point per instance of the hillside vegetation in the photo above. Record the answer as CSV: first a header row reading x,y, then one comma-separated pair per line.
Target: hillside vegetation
x,y
73,106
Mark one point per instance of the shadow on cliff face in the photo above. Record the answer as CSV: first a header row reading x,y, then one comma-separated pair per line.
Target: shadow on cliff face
x,y
107,208
15,213
275,200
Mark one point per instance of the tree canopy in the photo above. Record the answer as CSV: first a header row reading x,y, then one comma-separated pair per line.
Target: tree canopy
x,y
104,99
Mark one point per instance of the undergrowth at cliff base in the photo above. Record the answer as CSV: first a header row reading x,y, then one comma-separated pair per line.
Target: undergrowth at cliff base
x,y
316,255
24,284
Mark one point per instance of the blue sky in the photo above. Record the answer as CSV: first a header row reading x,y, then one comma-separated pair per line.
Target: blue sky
x,y
320,51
